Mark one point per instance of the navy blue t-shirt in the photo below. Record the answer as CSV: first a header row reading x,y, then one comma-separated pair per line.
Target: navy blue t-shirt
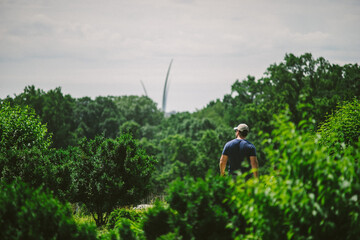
x,y
237,151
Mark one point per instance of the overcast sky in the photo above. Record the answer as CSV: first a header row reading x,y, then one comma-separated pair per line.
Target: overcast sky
x,y
99,48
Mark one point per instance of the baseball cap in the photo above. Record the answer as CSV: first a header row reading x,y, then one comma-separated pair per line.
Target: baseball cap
x,y
242,127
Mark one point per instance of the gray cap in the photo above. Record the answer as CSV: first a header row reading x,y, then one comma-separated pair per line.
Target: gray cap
x,y
242,127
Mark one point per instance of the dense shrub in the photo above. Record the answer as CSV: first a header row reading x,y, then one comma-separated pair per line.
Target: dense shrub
x,y
196,210
110,173
343,125
128,229
60,179
131,214
32,214
160,220
132,128
23,141
309,194
29,165
125,228
20,129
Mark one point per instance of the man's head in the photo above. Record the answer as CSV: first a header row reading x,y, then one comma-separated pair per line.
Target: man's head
x,y
242,129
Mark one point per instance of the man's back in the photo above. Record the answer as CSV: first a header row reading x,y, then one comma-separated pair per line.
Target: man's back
x,y
238,151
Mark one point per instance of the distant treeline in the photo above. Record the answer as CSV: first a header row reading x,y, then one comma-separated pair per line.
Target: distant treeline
x,y
192,142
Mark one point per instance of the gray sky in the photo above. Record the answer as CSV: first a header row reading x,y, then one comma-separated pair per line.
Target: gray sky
x,y
99,48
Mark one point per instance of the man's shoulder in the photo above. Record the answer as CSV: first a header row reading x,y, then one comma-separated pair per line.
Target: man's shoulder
x,y
234,141
249,144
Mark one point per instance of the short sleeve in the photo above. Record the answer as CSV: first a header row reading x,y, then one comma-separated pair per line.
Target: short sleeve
x,y
252,150
225,150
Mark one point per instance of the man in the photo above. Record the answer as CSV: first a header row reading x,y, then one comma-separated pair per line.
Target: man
x,y
237,151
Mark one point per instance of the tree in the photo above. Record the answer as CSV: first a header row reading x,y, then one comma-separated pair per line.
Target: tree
x,y
132,128
214,111
110,173
53,108
300,83
21,129
23,140
30,97
209,149
142,109
196,209
59,180
94,117
58,114
342,127
27,213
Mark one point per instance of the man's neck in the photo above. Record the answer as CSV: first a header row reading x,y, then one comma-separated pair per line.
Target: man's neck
x,y
241,138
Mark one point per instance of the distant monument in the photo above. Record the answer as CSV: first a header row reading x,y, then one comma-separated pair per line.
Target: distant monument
x,y
165,93
166,88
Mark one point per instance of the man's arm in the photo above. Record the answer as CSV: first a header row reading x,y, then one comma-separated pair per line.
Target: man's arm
x,y
254,165
222,164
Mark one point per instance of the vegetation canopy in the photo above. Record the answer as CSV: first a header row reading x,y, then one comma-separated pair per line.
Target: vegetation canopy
x,y
107,154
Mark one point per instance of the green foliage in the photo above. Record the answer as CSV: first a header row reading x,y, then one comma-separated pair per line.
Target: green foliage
x,y
57,113
179,148
23,141
177,157
159,221
309,194
59,179
21,129
214,111
209,148
95,117
131,214
32,214
27,165
131,127
128,229
189,146
70,119
125,223
201,207
142,110
53,108
306,193
111,173
343,125
196,210
186,125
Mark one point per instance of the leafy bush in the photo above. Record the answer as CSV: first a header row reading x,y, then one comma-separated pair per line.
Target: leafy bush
x,y
131,127
23,139
60,179
110,173
124,225
309,194
343,125
29,165
196,210
128,229
21,129
159,220
131,214
32,214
